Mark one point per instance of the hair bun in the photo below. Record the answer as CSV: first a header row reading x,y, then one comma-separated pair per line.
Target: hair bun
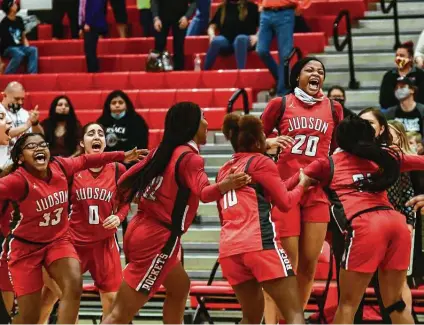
x,y
231,124
408,44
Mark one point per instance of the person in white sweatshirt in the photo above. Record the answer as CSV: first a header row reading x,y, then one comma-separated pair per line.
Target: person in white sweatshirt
x,y
419,52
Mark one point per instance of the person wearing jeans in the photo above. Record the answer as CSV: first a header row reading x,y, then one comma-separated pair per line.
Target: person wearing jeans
x,y
14,43
199,23
237,21
278,18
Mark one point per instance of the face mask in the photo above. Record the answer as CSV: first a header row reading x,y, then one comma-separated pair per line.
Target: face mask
x,y
340,100
401,62
61,117
402,93
118,116
14,107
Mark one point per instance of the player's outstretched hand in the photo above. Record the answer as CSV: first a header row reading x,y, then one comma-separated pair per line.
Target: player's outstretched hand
x,y
417,202
111,222
282,141
305,180
135,155
234,181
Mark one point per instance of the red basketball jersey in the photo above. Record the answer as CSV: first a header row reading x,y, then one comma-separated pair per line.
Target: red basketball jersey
x,y
92,198
172,198
310,126
245,213
341,170
42,214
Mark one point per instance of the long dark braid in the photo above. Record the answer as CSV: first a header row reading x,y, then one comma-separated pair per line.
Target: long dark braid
x,y
181,125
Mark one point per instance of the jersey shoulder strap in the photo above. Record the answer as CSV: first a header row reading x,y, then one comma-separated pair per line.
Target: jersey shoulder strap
x,y
69,178
117,176
333,113
177,168
280,116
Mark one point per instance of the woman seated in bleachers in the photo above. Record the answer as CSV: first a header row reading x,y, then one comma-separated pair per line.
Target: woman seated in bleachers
x,y
237,22
62,128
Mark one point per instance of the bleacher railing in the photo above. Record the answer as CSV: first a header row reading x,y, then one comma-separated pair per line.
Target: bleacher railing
x,y
353,83
386,9
240,92
295,51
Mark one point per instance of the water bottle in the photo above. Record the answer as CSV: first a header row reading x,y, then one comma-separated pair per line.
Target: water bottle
x,y
197,63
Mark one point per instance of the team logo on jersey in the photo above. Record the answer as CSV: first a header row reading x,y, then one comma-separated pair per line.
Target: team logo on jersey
x,y
312,123
52,200
88,193
34,186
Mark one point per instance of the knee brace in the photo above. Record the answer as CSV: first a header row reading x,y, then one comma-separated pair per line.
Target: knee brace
x,y
397,306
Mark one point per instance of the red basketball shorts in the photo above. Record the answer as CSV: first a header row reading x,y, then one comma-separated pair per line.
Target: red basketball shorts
x,y
102,259
314,207
26,261
5,283
377,239
260,265
151,252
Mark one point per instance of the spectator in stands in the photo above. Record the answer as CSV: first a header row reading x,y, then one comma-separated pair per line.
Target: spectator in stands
x,y
119,9
124,127
278,18
405,68
419,52
92,21
237,23
338,94
416,142
146,18
407,111
60,8
62,128
14,43
22,120
172,14
199,23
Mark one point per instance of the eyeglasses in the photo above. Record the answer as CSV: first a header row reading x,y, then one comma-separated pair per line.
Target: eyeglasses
x,y
35,146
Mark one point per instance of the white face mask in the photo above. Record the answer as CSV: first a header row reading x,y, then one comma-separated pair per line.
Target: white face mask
x,y
402,93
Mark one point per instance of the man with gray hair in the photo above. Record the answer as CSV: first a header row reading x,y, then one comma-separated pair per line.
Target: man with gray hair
x,y
23,121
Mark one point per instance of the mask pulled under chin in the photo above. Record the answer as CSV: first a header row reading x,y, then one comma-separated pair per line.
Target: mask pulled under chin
x,y
118,116
61,117
308,99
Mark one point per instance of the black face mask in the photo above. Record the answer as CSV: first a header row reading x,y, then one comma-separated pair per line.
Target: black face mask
x,y
14,107
340,100
61,117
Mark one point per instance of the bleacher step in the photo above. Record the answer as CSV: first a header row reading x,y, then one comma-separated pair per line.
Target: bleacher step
x,y
385,26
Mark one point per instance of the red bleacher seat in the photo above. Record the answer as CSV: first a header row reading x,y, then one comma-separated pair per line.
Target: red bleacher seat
x,y
74,81
115,80
307,42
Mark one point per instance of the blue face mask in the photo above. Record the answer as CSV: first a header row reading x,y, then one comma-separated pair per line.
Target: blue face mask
x,y
118,116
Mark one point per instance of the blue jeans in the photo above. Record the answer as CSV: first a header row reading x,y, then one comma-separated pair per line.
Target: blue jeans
x,y
200,21
281,24
221,45
17,54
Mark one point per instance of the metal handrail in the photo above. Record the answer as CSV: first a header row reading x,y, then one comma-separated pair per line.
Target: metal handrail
x,y
353,83
295,51
386,9
235,96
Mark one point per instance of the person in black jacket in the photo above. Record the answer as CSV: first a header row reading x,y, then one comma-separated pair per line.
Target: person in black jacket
x,y
125,129
405,68
172,14
237,23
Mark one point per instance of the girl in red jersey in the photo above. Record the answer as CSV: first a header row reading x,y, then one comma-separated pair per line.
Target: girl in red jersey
x,y
305,121
250,253
357,177
169,183
37,188
93,224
